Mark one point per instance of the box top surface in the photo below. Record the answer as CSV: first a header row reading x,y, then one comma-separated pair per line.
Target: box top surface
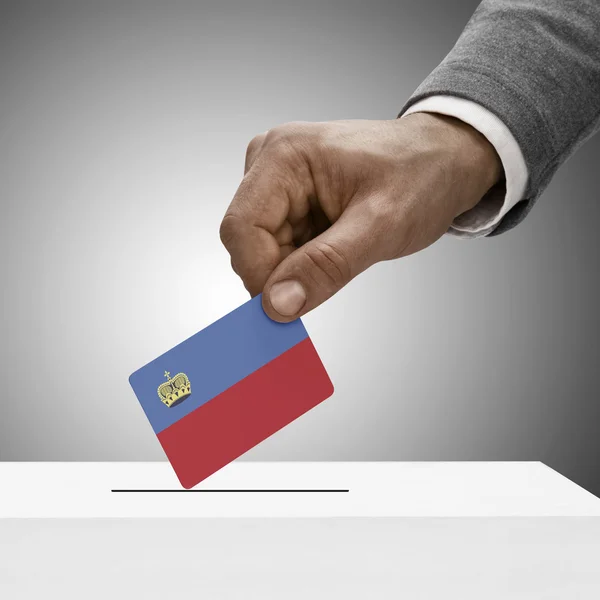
x,y
292,489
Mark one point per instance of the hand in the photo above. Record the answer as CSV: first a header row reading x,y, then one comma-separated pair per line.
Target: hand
x,y
321,202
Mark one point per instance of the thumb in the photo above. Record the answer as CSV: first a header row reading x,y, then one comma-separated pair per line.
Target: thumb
x,y
321,267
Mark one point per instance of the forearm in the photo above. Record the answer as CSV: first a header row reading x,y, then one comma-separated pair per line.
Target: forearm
x,y
536,65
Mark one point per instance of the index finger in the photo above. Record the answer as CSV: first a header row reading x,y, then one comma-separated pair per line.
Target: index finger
x,y
254,229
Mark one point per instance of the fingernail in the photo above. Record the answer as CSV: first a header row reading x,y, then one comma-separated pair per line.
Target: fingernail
x,y
287,297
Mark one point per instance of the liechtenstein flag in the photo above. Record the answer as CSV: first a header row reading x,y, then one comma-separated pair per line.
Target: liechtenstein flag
x,y
228,387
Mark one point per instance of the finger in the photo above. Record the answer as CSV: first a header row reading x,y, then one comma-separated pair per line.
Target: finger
x,y
254,251
254,147
321,267
255,229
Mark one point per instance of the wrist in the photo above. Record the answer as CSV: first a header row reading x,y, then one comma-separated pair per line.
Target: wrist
x,y
474,162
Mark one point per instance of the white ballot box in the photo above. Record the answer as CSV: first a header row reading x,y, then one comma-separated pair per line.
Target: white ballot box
x,y
297,530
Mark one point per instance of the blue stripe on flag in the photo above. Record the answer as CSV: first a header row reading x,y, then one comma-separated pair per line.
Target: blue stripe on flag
x,y
214,359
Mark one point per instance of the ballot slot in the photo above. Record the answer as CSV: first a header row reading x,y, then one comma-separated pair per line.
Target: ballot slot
x,y
250,491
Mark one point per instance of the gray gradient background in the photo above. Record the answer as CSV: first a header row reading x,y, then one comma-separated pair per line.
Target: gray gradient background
x,y
123,128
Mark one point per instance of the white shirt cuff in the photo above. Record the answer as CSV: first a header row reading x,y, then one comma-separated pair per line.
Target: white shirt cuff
x,y
483,218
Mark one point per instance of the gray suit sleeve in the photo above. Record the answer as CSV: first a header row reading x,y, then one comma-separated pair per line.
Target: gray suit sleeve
x,y
536,65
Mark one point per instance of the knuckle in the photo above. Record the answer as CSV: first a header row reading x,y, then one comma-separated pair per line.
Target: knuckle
x,y
228,229
285,131
254,146
276,135
287,140
330,262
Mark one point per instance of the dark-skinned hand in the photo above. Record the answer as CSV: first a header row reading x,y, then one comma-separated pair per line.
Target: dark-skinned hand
x,y
321,202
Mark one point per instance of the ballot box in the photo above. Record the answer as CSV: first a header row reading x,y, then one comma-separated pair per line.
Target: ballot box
x,y
297,530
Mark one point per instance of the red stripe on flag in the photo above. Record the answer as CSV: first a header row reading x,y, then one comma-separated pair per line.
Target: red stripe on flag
x,y
241,417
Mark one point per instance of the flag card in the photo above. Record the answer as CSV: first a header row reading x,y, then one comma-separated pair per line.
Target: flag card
x,y
224,390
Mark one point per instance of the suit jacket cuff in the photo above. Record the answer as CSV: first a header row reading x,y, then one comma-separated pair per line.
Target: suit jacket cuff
x,y
489,212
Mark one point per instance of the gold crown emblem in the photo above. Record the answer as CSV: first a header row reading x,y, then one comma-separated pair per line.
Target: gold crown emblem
x,y
175,389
